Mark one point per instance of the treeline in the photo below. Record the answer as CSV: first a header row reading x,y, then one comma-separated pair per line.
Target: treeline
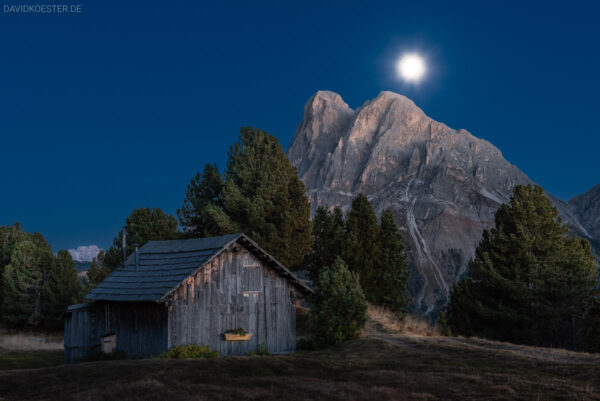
x,y
375,251
35,284
529,282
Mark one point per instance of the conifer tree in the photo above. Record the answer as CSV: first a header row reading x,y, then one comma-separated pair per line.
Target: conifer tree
x,y
362,244
9,237
96,272
592,326
328,240
390,286
338,305
61,289
23,279
203,200
261,196
529,282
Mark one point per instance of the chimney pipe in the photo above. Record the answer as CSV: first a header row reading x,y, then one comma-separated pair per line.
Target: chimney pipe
x,y
124,244
137,259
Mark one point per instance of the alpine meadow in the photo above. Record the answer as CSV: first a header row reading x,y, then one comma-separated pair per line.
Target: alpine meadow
x,y
300,201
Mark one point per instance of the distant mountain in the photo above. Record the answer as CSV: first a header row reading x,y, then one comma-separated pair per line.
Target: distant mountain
x,y
82,266
443,185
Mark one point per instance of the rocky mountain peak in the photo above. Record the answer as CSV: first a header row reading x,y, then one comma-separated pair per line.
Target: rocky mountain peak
x,y
443,185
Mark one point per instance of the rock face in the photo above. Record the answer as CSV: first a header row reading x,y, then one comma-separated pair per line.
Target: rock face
x,y
587,208
443,185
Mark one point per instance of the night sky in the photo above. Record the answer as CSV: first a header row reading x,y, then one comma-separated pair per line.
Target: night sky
x,y
119,106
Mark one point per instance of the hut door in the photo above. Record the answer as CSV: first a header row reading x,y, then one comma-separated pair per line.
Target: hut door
x,y
252,302
252,285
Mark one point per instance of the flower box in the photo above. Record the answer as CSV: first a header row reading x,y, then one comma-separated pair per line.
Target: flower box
x,y
237,337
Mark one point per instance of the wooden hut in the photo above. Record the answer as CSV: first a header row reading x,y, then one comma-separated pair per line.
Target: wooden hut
x,y
182,292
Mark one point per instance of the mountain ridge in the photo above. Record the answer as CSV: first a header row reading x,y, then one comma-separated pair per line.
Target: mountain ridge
x,y
443,185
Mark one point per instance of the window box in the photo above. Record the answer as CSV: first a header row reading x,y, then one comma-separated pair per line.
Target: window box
x,y
237,335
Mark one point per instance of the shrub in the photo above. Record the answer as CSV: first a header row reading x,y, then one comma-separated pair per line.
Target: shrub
x,y
262,349
443,325
239,332
190,351
338,306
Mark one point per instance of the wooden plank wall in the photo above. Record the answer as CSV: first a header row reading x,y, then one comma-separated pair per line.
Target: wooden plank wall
x,y
80,337
235,290
141,329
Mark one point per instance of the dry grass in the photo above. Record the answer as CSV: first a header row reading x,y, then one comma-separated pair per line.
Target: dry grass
x,y
10,360
30,341
390,322
383,365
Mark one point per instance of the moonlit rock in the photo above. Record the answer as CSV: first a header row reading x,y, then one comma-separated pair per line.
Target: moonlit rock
x,y
443,185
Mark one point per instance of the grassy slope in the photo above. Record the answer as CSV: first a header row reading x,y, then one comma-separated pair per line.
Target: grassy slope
x,y
383,366
30,359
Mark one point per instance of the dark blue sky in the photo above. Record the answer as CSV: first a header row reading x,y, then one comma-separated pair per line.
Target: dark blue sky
x,y
118,107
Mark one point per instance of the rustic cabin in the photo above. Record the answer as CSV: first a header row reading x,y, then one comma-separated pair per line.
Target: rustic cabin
x,y
195,291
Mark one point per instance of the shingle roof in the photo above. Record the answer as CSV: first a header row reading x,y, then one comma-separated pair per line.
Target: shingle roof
x,y
164,265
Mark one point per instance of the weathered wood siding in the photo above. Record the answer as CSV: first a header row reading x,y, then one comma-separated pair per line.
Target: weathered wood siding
x,y
80,338
140,328
235,290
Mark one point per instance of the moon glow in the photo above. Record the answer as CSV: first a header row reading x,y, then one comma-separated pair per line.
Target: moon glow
x,y
411,67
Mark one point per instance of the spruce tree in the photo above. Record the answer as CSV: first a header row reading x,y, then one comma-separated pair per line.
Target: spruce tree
x,y
23,279
9,237
390,286
61,289
362,244
529,282
328,240
338,306
96,272
261,196
203,198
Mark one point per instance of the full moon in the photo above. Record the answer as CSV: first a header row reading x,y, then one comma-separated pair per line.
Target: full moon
x,y
411,67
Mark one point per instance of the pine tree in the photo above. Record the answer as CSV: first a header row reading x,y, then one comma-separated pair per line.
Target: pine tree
x,y
390,286
362,244
261,196
9,237
96,272
328,240
203,199
23,279
61,289
338,305
529,282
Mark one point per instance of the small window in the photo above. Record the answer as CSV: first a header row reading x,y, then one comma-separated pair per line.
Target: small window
x,y
251,278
